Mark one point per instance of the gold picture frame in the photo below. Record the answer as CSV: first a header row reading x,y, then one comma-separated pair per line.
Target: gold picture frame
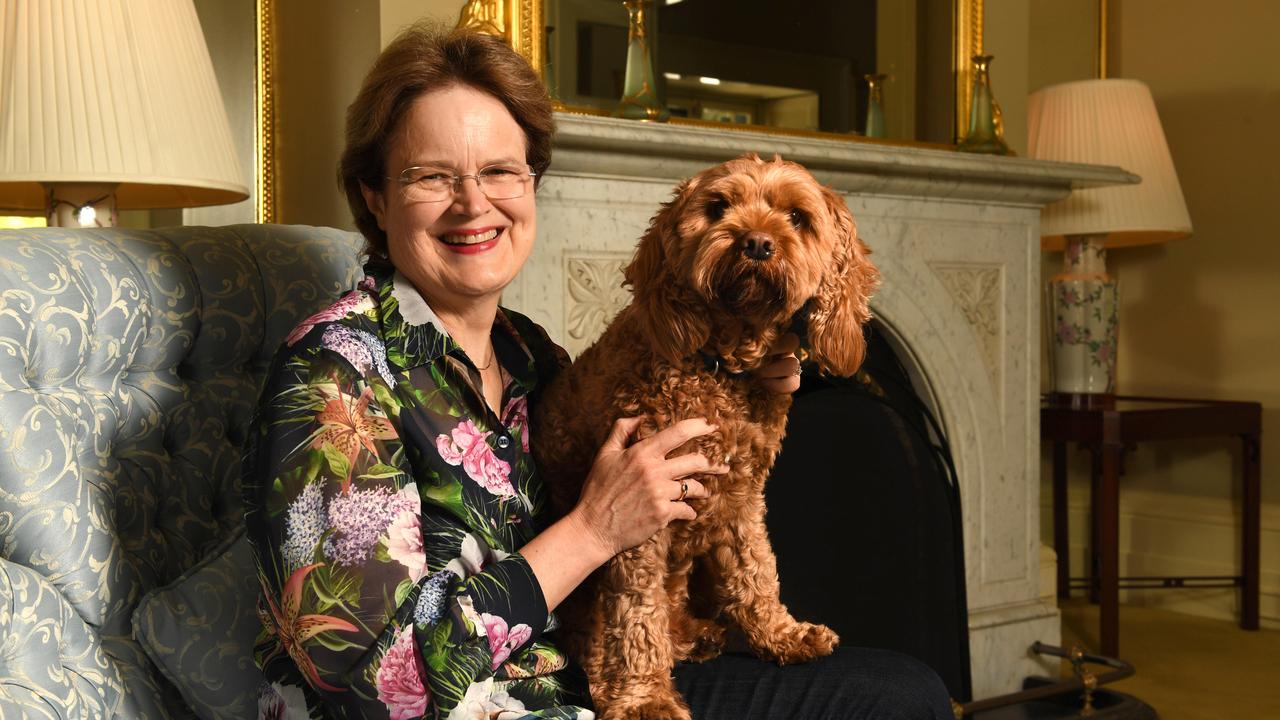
x,y
264,210
519,22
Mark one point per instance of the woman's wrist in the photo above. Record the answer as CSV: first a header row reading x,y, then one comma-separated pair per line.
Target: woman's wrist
x,y
595,546
563,555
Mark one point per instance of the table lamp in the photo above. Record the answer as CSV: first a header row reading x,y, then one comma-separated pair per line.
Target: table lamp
x,y
108,105
1102,122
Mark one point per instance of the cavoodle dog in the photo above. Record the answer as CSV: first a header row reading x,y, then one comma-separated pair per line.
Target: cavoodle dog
x,y
726,267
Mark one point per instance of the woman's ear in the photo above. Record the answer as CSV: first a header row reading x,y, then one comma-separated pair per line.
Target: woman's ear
x,y
842,305
672,319
376,203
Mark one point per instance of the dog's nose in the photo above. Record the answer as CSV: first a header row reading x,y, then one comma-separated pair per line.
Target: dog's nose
x,y
757,245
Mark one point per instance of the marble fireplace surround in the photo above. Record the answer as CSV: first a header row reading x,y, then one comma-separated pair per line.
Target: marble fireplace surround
x,y
956,238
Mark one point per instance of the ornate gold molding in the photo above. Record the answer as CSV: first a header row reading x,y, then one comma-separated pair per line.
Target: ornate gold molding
x,y
519,22
967,25
264,150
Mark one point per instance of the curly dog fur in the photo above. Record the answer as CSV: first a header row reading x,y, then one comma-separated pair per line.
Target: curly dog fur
x,y
725,265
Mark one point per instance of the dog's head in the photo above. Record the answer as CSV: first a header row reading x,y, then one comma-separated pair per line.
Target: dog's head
x,y
738,251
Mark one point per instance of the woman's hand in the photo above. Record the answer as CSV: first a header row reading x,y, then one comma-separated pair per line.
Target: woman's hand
x,y
634,489
781,373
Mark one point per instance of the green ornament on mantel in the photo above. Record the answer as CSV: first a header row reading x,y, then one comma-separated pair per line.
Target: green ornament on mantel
x,y
639,92
985,135
875,105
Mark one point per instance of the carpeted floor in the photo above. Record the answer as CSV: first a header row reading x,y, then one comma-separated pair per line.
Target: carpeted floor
x,y
1188,667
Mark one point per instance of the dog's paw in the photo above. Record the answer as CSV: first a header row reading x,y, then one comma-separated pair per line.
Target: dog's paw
x,y
800,642
654,706
707,641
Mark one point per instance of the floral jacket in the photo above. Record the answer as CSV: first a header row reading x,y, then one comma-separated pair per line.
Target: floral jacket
x,y
386,504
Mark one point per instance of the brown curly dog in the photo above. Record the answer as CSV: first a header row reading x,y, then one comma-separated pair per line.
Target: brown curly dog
x,y
723,269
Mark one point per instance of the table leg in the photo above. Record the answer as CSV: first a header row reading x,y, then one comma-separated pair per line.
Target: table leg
x,y
1251,526
1095,492
1108,508
1061,537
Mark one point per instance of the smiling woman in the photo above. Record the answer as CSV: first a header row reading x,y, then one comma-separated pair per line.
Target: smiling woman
x,y
390,493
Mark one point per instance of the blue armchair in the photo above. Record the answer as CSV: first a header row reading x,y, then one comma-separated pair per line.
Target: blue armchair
x,y
130,366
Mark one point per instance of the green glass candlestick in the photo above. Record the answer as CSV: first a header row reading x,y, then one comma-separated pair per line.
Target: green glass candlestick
x,y
875,105
984,134
639,93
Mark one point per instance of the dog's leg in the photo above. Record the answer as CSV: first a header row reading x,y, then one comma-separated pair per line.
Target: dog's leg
x,y
634,678
692,637
748,572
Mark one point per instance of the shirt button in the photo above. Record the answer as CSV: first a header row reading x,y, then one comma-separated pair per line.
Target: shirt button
x,y
503,441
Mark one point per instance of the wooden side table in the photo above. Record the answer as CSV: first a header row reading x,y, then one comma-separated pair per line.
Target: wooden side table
x,y
1106,432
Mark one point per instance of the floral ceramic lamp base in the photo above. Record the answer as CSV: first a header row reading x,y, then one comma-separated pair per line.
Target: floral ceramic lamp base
x,y
1084,307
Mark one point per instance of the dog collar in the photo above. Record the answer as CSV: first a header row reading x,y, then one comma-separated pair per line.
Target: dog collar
x,y
714,365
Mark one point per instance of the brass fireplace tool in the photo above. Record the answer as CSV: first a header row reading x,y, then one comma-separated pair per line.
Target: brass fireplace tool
x,y
1082,680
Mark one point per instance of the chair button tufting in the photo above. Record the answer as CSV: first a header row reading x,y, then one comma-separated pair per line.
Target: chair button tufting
x,y
503,441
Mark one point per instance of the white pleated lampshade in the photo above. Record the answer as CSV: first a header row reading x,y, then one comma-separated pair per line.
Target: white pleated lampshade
x,y
112,91
1108,122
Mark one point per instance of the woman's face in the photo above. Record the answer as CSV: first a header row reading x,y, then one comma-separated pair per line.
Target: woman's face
x,y
457,130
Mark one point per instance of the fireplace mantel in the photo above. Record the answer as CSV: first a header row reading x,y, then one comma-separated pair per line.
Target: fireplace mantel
x,y
956,238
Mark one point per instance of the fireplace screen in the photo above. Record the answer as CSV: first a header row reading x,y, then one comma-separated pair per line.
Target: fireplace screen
x,y
864,515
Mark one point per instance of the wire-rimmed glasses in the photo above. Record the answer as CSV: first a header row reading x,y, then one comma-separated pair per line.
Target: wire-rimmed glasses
x,y
497,182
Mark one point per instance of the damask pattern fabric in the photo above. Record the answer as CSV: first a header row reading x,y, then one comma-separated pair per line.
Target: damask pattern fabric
x,y
199,631
387,503
55,664
130,366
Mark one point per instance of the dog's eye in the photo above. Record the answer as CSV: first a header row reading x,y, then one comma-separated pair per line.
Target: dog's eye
x,y
716,208
798,219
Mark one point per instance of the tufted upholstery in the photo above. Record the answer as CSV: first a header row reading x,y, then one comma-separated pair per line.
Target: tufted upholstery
x,y
130,364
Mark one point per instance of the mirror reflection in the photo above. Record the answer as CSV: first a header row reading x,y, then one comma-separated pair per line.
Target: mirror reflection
x,y
795,65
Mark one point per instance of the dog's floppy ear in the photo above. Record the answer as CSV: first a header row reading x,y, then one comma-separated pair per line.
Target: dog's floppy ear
x,y
671,316
841,306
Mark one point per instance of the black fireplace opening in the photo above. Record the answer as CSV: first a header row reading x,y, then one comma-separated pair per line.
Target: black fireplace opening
x,y
864,516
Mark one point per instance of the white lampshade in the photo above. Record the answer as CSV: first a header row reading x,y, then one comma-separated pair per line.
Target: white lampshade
x,y
112,91
1108,122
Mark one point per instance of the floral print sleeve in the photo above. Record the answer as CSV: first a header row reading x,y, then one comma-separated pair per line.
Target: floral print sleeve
x,y
386,504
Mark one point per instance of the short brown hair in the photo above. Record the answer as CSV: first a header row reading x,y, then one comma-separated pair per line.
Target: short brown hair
x,y
423,58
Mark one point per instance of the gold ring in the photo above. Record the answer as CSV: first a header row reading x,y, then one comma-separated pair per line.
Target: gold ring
x,y
684,490
798,369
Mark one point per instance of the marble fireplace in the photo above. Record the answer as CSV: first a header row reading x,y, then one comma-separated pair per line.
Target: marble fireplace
x,y
956,238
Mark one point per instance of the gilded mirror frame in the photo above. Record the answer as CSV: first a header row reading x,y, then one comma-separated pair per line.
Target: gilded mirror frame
x,y
264,177
520,23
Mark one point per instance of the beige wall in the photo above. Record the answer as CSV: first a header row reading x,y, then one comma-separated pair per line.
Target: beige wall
x,y
1198,316
324,49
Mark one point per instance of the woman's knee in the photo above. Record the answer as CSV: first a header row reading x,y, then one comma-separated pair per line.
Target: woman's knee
x,y
905,688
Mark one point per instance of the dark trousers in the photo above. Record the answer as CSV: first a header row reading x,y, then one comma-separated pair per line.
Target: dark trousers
x,y
851,684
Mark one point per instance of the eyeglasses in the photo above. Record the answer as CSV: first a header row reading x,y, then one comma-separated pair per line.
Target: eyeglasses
x,y
497,182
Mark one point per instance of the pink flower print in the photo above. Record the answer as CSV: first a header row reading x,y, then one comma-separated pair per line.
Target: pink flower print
x,y
1067,334
516,414
467,445
404,534
345,304
1103,354
501,640
401,679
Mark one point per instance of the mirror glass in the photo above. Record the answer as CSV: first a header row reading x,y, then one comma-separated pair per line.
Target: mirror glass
x,y
795,65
